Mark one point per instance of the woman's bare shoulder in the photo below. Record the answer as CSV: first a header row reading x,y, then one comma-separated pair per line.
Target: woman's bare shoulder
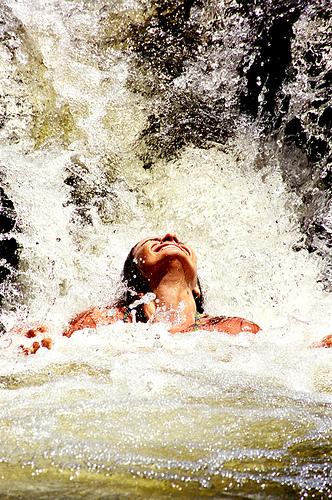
x,y
93,317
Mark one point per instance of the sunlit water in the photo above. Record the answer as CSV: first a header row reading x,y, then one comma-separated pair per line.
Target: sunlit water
x,y
130,410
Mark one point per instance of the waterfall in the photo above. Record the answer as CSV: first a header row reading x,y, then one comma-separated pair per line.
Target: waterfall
x,y
124,119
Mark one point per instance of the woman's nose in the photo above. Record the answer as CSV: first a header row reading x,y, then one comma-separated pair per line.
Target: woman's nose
x,y
170,237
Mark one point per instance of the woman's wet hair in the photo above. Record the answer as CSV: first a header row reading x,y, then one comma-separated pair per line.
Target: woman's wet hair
x,y
135,284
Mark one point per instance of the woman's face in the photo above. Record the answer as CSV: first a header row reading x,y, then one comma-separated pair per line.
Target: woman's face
x,y
153,255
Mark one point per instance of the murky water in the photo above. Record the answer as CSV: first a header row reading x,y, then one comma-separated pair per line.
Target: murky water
x,y
130,410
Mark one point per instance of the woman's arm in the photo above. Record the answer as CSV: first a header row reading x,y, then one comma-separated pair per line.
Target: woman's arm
x,y
97,316
88,319
325,342
225,324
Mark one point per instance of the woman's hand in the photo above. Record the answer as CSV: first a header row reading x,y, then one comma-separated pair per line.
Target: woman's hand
x,y
46,342
33,332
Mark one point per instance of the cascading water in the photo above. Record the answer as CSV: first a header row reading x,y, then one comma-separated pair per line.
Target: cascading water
x,y
124,119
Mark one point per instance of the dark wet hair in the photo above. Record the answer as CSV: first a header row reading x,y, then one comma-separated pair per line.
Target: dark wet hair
x,y
135,283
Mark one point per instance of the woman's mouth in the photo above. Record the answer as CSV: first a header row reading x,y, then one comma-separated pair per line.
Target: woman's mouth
x,y
159,246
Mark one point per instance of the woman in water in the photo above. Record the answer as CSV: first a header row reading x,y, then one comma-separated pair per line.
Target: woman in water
x,y
161,285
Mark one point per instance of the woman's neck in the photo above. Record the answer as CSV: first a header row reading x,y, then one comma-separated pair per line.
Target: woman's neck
x,y
174,302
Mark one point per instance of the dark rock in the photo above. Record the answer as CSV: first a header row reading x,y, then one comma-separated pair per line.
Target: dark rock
x,y
325,119
166,38
7,213
266,64
9,248
294,133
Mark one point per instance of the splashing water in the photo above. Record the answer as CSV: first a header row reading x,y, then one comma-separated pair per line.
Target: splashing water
x,y
128,409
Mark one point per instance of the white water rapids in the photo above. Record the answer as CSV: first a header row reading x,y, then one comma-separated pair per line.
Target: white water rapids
x,y
130,410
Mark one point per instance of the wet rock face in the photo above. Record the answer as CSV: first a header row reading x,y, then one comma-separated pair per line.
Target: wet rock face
x,y
178,51
206,65
290,61
306,132
9,248
203,64
15,110
266,63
